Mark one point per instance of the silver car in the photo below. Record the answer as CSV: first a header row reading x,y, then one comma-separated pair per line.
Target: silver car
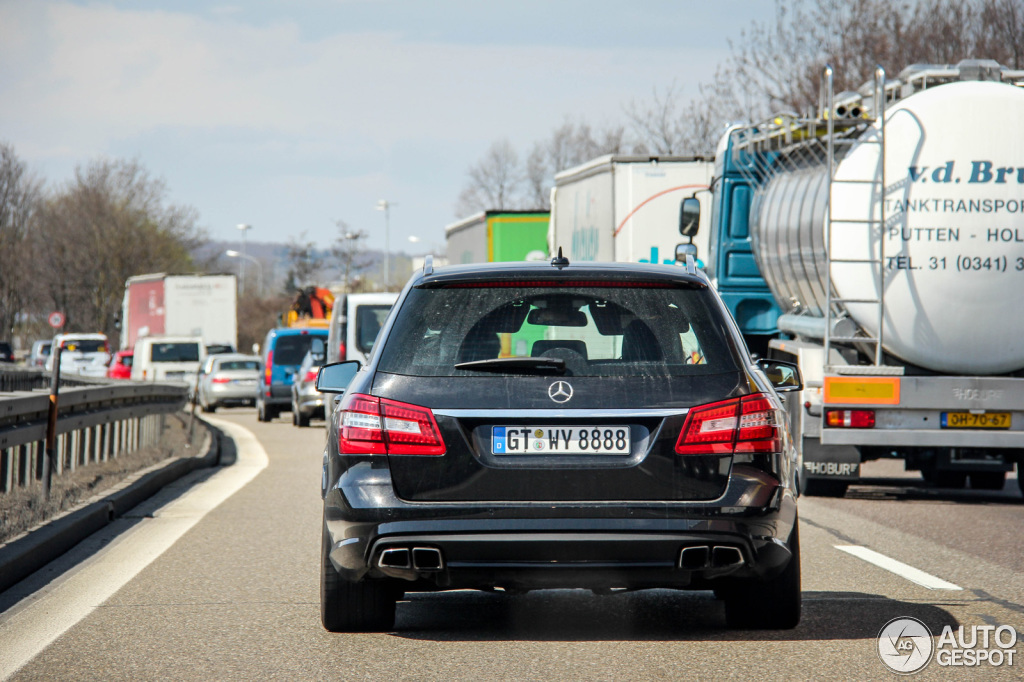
x,y
228,379
307,402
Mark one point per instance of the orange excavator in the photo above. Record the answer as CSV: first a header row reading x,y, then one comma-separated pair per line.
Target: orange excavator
x,y
311,307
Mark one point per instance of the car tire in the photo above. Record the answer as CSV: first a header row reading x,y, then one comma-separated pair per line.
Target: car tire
x,y
817,487
263,414
767,604
988,480
365,606
212,407
298,418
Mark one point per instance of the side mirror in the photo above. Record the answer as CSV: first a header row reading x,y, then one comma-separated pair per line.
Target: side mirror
x,y
689,217
335,377
784,376
684,250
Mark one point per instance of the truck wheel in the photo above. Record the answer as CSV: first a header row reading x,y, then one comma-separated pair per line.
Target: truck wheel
x,y
950,479
366,606
988,480
817,487
767,604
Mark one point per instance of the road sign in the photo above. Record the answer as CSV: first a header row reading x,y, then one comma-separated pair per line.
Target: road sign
x,y
56,319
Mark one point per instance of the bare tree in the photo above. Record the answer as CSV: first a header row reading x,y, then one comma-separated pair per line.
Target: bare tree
x,y
19,199
495,182
1000,32
349,249
112,221
569,145
304,263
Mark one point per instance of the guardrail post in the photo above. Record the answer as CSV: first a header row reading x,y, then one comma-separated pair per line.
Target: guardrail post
x,y
51,423
6,469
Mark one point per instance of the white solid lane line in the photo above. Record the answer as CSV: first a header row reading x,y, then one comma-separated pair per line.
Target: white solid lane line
x,y
41,618
901,569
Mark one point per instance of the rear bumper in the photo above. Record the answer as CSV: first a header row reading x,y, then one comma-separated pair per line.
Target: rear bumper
x,y
582,545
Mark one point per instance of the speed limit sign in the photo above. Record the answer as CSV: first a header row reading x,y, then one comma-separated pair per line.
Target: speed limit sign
x,y
56,319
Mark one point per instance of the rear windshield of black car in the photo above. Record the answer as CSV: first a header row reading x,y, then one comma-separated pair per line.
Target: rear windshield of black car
x,y
290,349
596,331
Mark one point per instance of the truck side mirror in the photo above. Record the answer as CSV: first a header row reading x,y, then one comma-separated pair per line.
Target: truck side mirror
x,y
689,217
684,250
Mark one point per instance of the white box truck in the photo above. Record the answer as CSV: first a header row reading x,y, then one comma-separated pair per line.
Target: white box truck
x,y
626,208
181,305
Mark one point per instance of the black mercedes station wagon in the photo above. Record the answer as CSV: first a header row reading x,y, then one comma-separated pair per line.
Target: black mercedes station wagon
x,y
523,426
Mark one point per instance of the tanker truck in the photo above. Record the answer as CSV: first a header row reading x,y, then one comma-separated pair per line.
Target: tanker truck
x,y
889,229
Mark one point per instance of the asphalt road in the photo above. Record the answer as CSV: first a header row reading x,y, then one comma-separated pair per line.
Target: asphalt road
x,y
217,578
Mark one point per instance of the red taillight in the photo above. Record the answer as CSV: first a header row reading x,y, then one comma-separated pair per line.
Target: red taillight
x,y
310,377
217,379
749,424
342,352
850,419
268,371
381,426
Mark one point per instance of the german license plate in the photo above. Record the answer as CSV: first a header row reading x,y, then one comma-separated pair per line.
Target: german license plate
x,y
560,440
970,420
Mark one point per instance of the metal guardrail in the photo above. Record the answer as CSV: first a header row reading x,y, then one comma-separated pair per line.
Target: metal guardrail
x,y
14,378
95,423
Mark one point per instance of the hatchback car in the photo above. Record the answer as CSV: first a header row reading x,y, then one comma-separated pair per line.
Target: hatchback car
x,y
40,351
84,354
307,402
120,365
524,426
228,379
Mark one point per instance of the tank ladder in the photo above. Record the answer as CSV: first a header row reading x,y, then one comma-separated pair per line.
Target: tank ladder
x,y
874,221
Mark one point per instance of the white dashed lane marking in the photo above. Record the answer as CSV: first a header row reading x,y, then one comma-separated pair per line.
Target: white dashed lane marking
x,y
901,569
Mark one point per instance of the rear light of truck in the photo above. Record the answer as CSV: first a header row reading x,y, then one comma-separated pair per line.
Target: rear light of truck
x,y
749,424
268,370
850,419
380,426
342,353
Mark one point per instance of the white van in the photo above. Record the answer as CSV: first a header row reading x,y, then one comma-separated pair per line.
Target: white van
x,y
85,354
168,358
355,323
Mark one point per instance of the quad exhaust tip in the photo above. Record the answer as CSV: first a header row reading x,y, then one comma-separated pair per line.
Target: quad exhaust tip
x,y
703,556
417,558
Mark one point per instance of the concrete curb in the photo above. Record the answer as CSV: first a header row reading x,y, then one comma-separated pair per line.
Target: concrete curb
x,y
27,554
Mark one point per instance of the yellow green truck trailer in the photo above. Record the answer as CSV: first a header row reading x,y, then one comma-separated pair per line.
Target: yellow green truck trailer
x,y
495,236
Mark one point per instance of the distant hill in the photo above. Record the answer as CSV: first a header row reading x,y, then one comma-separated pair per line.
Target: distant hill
x,y
273,257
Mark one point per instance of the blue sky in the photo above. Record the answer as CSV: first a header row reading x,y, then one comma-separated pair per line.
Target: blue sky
x,y
291,115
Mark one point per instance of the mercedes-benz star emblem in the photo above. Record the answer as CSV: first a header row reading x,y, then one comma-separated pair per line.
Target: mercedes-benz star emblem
x,y
560,391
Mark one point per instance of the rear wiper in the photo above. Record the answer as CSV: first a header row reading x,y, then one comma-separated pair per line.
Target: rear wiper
x,y
524,365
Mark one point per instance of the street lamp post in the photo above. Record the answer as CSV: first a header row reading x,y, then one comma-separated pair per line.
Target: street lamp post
x,y
241,264
385,205
231,253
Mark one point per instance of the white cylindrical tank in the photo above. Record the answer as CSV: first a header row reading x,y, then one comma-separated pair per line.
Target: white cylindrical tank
x,y
953,236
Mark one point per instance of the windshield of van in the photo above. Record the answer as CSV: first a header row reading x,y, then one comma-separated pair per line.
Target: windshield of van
x,y
578,331
175,352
